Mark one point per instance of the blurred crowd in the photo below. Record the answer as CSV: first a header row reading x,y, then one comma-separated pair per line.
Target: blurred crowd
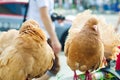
x,y
98,5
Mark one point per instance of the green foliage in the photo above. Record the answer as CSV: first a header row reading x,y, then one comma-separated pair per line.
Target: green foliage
x,y
107,76
73,6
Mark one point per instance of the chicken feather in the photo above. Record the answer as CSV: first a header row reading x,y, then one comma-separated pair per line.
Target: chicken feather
x,y
109,37
6,38
29,56
84,48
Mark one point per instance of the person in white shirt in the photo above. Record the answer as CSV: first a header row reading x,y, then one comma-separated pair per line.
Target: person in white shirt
x,y
40,10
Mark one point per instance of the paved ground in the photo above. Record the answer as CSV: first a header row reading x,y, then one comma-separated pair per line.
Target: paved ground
x,y
65,71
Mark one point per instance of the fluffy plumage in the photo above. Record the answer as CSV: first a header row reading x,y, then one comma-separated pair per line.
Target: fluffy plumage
x,y
7,38
109,37
84,48
29,56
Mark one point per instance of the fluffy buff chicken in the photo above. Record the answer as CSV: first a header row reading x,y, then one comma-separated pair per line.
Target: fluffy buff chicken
x,y
29,56
83,48
109,37
7,38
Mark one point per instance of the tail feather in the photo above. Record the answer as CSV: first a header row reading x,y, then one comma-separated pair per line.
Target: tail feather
x,y
81,18
80,21
109,37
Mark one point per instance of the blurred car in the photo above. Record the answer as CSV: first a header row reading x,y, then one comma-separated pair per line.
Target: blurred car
x,y
12,13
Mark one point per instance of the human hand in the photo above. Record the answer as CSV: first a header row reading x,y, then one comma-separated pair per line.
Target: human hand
x,y
56,45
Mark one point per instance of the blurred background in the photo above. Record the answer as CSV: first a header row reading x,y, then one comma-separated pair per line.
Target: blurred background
x,y
98,6
12,13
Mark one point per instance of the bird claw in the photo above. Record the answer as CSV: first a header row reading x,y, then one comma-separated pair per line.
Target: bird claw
x,y
88,76
75,77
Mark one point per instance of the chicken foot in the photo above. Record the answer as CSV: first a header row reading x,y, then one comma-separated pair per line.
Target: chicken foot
x,y
88,76
75,76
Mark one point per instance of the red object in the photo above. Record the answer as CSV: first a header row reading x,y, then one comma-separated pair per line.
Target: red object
x,y
75,76
13,1
118,61
88,76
